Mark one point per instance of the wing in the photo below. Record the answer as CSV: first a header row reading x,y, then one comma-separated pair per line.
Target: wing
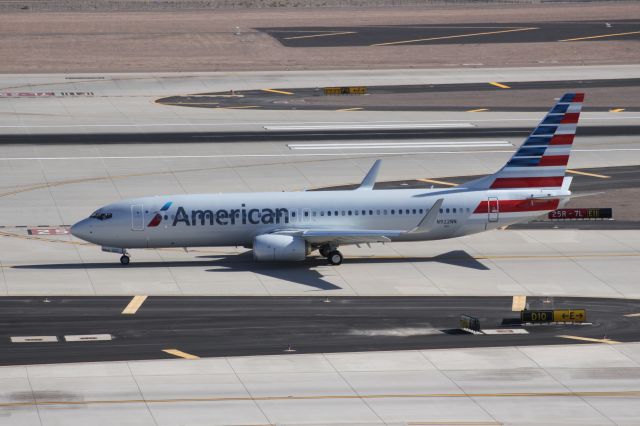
x,y
343,236
361,236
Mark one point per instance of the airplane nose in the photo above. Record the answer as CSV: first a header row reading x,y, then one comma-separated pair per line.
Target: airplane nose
x,y
80,229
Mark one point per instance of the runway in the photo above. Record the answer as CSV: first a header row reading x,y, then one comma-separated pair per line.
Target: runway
x,y
459,33
231,326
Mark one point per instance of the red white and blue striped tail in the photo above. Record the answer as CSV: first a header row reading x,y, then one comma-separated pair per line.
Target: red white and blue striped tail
x,y
542,159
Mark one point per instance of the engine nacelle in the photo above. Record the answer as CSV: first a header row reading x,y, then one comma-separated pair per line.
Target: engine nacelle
x,y
279,248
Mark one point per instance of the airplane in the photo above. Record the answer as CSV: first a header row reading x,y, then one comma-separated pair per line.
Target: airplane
x,y
288,226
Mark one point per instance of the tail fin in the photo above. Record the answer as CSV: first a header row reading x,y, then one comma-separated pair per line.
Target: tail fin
x,y
542,159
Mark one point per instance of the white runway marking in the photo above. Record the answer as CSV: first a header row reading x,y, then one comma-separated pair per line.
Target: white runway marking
x,y
34,339
316,154
391,145
365,126
87,337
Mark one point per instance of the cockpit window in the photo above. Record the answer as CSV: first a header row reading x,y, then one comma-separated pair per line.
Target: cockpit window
x,y
100,215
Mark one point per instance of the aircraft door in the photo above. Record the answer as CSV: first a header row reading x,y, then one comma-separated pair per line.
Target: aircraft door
x,y
493,209
137,217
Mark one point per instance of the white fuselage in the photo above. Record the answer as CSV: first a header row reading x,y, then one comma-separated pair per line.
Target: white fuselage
x,y
236,219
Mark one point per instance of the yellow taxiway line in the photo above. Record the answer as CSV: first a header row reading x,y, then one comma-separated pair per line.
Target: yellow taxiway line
x,y
455,36
438,182
578,172
594,394
319,35
600,36
478,110
616,110
632,315
134,305
589,339
281,92
180,354
500,85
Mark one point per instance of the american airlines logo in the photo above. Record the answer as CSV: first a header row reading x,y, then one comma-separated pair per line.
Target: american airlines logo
x,y
229,217
157,218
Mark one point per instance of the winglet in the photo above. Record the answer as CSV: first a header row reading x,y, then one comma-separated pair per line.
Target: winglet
x,y
370,179
429,219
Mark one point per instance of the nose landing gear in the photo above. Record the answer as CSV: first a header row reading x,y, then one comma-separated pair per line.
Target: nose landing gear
x,y
124,259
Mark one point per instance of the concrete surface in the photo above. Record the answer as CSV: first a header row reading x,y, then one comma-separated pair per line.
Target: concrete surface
x,y
534,262
581,384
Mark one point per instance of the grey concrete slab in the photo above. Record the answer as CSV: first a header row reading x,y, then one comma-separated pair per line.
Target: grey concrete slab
x,y
524,385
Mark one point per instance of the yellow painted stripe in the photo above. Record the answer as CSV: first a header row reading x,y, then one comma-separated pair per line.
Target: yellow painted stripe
x,y
178,353
616,110
320,35
349,109
589,339
455,36
478,110
601,36
438,182
595,394
282,92
134,305
519,303
500,85
578,172
632,315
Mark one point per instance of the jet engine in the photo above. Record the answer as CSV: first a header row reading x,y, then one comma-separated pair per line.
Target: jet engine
x,y
279,247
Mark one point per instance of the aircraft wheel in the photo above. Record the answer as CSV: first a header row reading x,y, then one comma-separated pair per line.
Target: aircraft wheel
x,y
124,259
335,257
324,251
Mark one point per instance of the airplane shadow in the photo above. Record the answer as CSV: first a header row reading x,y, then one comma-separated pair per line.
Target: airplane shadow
x,y
304,273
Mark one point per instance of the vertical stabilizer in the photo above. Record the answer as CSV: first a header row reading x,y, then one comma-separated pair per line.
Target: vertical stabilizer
x,y
542,159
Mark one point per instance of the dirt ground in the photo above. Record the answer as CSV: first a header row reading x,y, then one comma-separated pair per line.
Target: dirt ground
x,y
205,40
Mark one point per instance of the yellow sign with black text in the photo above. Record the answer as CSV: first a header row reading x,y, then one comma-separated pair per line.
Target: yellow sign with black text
x,y
569,315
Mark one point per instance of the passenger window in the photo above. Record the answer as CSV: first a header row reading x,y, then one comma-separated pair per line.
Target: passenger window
x,y
322,213
454,209
306,214
399,211
349,212
407,211
447,210
378,212
293,214
336,213
384,212
440,210
329,213
414,211
342,212
370,212
364,212
355,212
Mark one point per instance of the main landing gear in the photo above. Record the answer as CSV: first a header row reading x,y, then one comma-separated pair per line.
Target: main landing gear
x,y
333,256
124,259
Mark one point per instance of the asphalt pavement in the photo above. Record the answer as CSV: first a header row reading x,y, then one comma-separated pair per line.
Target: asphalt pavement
x,y
229,326
462,33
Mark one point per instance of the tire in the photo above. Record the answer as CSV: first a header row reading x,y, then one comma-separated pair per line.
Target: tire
x,y
335,257
124,260
324,251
